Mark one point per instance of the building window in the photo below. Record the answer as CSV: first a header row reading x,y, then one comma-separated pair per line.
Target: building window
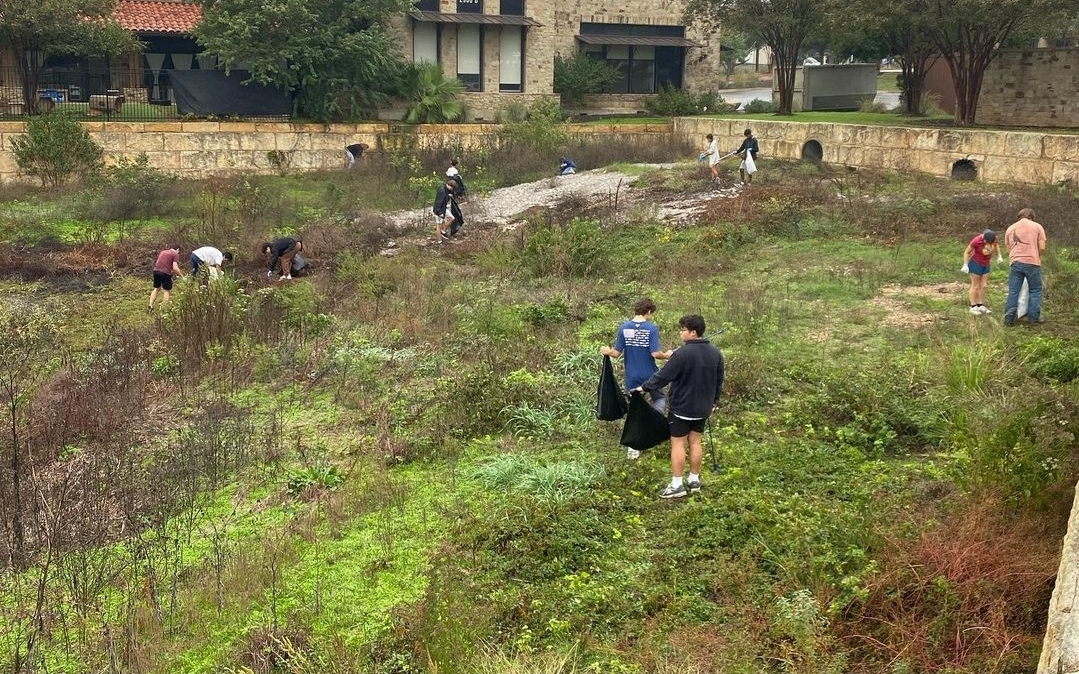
x,y
424,42
428,6
512,7
617,56
511,59
469,48
641,69
470,6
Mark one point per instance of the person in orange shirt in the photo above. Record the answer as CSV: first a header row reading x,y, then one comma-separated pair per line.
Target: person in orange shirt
x,y
1025,240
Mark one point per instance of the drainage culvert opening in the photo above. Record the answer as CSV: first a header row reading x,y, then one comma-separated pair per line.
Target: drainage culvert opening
x,y
812,152
964,169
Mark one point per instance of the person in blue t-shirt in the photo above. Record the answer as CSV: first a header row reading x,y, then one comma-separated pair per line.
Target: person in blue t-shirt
x,y
638,341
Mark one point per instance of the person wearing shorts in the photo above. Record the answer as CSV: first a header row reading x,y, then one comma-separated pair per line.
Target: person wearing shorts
x,y
166,266
695,375
976,259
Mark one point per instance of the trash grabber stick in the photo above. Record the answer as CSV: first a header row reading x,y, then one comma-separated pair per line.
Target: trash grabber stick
x,y
712,448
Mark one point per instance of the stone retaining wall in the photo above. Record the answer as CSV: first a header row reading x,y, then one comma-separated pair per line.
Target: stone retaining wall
x,y
999,156
199,149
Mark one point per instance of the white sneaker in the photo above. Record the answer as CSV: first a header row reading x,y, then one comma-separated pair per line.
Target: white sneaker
x,y
269,273
285,278
632,454
977,311
986,310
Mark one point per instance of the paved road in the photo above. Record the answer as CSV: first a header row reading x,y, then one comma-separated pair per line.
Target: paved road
x,y
744,96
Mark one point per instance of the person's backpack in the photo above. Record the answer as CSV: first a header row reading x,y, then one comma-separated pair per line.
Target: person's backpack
x,y
610,402
460,190
645,426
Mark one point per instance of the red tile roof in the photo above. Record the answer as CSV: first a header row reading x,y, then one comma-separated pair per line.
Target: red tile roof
x,y
148,16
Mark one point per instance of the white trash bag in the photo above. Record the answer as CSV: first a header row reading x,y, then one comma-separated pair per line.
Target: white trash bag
x,y
1024,300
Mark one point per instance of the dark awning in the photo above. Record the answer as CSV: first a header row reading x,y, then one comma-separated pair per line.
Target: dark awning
x,y
638,41
468,17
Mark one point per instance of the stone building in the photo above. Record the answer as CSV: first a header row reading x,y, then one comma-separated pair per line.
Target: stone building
x,y
504,50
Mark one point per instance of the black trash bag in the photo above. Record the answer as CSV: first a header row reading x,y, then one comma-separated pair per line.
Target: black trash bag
x,y
458,217
300,265
610,402
645,426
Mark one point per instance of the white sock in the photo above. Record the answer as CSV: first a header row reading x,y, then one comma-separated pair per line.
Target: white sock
x,y
676,482
693,477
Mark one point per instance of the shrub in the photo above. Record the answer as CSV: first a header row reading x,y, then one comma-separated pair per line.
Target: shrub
x,y
758,106
56,148
131,189
543,129
433,97
673,102
580,75
574,249
511,113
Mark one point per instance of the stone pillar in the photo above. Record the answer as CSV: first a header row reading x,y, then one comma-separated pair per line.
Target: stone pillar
x,y
1060,649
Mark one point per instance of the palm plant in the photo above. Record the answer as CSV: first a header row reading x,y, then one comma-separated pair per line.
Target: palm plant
x,y
432,96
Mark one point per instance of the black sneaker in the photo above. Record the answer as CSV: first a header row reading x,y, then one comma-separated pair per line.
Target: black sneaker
x,y
693,486
673,492
444,236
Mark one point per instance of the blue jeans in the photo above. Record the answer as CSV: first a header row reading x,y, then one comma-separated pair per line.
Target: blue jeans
x,y
1032,274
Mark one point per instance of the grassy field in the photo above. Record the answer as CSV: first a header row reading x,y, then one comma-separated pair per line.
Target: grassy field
x,y
393,465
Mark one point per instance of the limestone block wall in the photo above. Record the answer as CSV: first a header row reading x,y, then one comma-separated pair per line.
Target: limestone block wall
x,y
200,149
204,149
1031,87
1000,156
1060,648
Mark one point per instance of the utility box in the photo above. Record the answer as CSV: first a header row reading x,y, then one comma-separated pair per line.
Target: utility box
x,y
838,87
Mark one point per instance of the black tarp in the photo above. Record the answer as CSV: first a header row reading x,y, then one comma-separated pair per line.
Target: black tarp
x,y
610,402
211,92
645,426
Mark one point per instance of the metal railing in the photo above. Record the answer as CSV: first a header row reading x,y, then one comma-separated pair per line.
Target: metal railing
x,y
117,94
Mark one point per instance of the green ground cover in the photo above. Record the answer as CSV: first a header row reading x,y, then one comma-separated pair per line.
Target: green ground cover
x,y
392,466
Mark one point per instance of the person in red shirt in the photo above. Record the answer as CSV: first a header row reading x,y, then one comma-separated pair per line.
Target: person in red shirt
x,y
976,260
166,266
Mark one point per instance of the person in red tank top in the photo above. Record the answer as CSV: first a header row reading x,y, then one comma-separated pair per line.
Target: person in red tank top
x,y
166,266
976,258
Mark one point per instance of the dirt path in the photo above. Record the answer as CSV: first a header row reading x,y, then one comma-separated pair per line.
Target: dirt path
x,y
503,205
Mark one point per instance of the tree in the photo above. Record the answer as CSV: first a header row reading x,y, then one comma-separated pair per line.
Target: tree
x,y
580,75
734,51
968,32
38,29
783,25
904,27
336,56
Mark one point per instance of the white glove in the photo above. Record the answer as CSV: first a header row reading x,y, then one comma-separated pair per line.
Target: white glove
x,y
965,269
1000,258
